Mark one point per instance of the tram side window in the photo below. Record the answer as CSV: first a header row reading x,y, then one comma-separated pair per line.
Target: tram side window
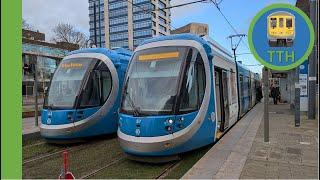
x,y
241,85
273,22
90,96
289,22
189,94
246,86
233,88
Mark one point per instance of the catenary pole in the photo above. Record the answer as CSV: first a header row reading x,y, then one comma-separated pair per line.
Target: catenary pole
x,y
297,99
234,48
312,66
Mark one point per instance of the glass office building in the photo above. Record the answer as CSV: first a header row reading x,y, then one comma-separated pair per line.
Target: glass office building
x,y
126,23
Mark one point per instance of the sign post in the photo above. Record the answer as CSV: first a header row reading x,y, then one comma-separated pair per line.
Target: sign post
x,y
279,49
266,102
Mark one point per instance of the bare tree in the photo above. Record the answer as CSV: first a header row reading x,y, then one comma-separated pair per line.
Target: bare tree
x,y
65,32
26,25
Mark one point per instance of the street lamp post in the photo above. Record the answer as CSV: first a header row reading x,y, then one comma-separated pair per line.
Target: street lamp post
x,y
35,90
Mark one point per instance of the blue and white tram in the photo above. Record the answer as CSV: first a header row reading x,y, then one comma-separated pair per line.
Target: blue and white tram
x,y
84,94
244,88
181,93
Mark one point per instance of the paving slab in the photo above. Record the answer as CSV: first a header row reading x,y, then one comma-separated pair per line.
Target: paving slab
x,y
292,152
226,158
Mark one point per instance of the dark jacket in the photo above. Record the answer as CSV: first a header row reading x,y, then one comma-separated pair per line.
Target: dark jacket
x,y
275,92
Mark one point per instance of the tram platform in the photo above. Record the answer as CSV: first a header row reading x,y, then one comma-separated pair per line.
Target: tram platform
x,y
28,125
292,152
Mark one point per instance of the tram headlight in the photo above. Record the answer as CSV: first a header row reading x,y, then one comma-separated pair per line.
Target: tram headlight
x,y
137,132
168,122
168,125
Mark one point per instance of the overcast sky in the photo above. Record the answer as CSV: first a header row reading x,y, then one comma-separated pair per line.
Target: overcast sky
x,y
43,15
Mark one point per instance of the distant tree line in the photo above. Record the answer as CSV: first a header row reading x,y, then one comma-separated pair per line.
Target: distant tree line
x,y
63,32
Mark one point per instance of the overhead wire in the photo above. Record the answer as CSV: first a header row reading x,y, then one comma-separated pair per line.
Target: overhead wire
x,y
233,28
215,2
226,19
180,5
244,53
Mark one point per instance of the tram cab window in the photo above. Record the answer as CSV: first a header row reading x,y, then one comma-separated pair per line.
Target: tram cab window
x,y
98,87
289,23
280,22
106,84
193,86
201,78
273,22
66,82
189,97
90,96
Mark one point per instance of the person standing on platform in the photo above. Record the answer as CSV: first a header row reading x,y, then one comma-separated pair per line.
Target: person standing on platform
x,y
274,95
278,94
259,93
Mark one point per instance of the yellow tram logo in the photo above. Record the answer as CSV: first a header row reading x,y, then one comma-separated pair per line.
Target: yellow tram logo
x,y
281,29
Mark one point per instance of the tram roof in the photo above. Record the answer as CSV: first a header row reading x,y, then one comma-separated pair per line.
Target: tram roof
x,y
184,36
210,46
242,69
115,55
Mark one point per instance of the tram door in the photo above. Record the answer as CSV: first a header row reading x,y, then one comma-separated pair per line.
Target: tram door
x,y
218,100
225,95
222,100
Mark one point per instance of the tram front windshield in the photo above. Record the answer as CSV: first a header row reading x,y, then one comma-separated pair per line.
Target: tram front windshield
x,y
66,82
152,81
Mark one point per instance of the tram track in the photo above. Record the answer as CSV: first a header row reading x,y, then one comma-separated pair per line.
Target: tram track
x,y
102,158
84,160
35,144
61,149
47,155
167,170
42,157
92,173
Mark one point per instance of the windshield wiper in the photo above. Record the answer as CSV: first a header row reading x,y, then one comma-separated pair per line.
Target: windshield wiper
x,y
136,111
